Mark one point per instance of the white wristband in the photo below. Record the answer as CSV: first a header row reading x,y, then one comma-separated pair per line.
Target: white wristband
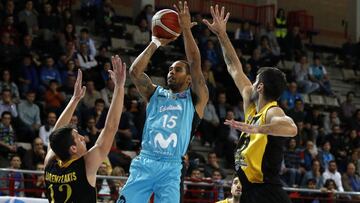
x,y
156,42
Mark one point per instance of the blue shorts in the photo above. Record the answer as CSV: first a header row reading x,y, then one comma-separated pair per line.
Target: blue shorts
x,y
147,176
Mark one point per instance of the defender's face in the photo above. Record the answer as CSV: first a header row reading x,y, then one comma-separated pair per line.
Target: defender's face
x,y
79,143
176,76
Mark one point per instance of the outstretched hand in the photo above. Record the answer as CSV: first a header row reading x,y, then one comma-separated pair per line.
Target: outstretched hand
x,y
218,26
243,127
118,73
184,15
79,90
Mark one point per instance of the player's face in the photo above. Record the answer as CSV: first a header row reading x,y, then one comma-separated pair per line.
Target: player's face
x,y
236,187
177,77
255,94
79,143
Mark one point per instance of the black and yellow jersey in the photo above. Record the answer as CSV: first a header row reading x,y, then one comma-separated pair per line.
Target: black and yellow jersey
x,y
258,157
67,182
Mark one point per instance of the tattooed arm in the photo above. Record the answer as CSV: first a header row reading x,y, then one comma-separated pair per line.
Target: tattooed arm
x,y
142,81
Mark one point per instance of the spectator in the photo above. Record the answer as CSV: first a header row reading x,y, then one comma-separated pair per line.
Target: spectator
x,y
17,178
352,141
35,155
29,114
211,54
27,48
118,172
338,146
38,183
48,23
147,14
318,74
310,197
213,164
298,113
293,44
7,83
226,140
325,156
49,72
221,106
244,37
141,35
46,129
355,121
351,180
289,96
97,111
54,99
8,51
269,54
293,164
7,103
331,120
91,133
68,34
332,173
255,61
88,8
68,87
348,108
104,74
102,57
86,39
9,27
330,186
69,71
70,51
219,184
208,125
310,154
86,61
7,139
107,92
105,187
313,174
91,95
105,21
270,33
29,16
28,77
281,26
301,75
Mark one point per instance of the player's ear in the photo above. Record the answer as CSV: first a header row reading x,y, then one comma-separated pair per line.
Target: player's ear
x,y
260,87
73,149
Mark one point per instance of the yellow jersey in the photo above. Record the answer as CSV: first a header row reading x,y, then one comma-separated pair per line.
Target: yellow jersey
x,y
258,156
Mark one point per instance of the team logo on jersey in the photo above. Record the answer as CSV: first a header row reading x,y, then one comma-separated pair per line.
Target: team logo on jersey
x,y
171,108
164,143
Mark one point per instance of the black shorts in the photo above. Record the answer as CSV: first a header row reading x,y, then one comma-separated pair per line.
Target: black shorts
x,y
265,193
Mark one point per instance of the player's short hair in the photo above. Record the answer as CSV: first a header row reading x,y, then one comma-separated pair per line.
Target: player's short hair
x,y
61,140
274,82
187,66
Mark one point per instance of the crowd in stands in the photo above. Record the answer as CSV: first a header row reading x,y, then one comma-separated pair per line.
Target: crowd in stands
x,y
41,50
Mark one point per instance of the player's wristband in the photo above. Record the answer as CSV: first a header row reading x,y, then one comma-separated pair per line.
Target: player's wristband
x,y
156,42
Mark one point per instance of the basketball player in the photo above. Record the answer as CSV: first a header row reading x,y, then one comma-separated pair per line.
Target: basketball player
x,y
259,152
235,192
172,114
70,170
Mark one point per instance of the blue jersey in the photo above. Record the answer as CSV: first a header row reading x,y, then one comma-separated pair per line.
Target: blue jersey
x,y
169,124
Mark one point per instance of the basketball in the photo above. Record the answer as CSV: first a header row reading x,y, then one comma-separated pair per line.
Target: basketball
x,y
165,24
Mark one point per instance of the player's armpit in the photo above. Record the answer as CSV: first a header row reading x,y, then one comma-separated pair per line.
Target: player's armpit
x,y
278,124
144,85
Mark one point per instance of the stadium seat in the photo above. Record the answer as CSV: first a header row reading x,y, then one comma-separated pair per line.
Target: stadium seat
x,y
317,100
331,101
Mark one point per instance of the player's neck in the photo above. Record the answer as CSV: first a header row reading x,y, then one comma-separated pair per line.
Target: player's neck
x,y
260,103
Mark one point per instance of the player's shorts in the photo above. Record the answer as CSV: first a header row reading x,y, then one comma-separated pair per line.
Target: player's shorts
x,y
265,193
150,175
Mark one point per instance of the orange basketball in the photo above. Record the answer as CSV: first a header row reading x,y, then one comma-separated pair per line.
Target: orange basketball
x,y
165,24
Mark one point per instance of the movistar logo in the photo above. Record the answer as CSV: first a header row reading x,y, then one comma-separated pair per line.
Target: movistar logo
x,y
164,143
170,108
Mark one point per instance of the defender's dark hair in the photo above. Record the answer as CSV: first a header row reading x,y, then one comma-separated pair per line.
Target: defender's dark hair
x,y
60,141
274,82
